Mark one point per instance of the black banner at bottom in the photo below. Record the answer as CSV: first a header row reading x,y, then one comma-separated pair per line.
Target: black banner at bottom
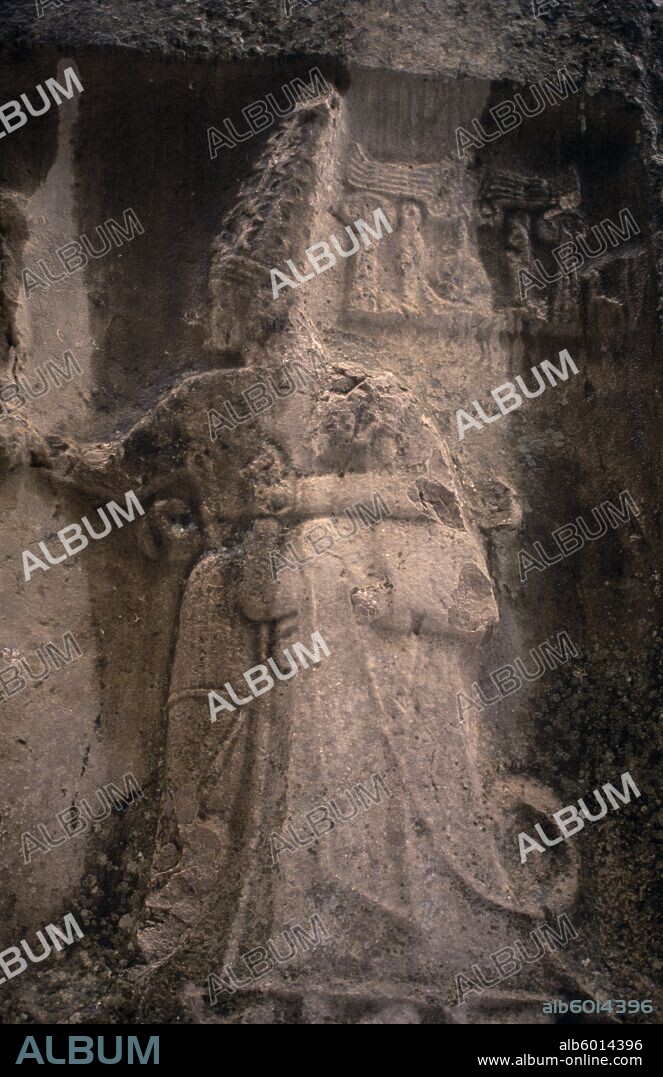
x,y
477,1048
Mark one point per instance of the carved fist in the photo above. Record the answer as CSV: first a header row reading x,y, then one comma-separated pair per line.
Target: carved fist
x,y
172,530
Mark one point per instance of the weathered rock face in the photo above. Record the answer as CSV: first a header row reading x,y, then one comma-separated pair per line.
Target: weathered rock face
x,y
284,343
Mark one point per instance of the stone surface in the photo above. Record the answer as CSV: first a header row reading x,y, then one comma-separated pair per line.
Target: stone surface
x,y
364,368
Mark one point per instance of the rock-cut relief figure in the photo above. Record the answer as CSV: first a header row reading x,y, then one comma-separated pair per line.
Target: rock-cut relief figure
x,y
403,601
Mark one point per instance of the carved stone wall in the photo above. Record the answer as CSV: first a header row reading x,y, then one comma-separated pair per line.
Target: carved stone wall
x,y
251,422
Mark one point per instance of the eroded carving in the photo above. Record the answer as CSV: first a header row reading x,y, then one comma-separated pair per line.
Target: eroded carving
x,y
430,267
